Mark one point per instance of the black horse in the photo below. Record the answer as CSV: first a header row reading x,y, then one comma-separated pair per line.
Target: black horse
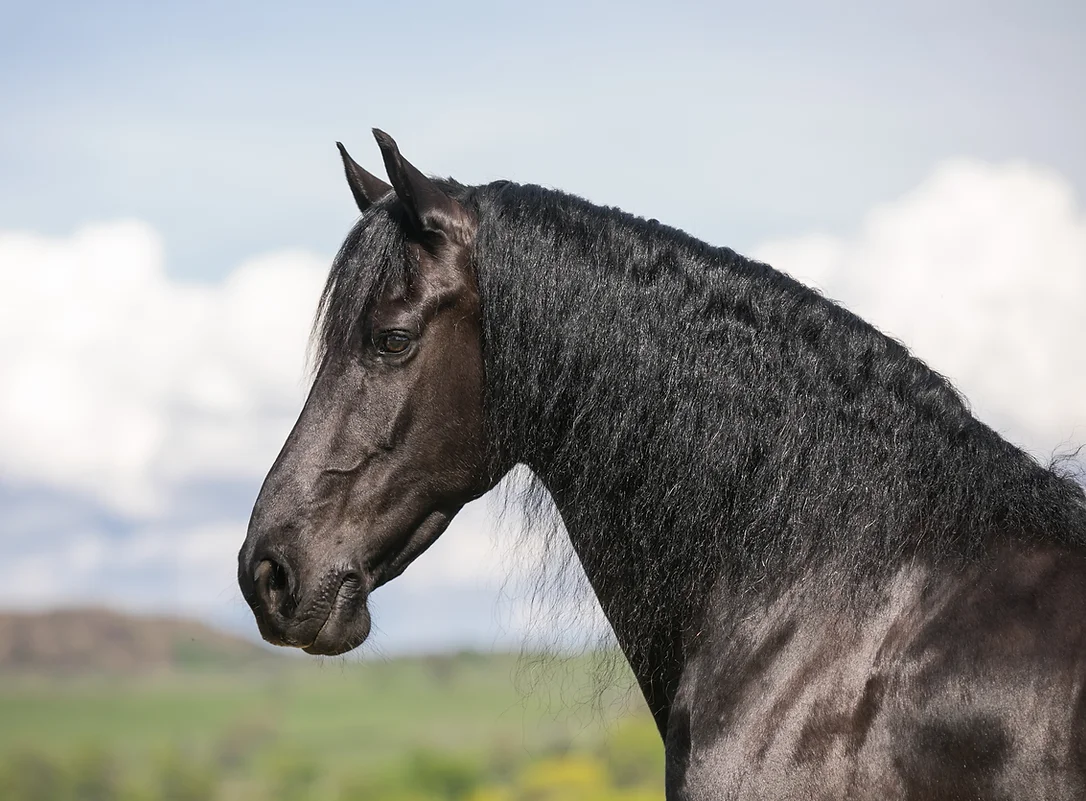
x,y
830,580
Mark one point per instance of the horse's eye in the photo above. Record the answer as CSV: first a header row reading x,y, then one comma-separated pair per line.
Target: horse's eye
x,y
390,343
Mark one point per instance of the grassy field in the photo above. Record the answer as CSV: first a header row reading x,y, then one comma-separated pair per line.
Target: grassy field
x,y
300,729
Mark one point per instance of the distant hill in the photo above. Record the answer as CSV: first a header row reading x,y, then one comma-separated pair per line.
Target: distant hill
x,y
101,641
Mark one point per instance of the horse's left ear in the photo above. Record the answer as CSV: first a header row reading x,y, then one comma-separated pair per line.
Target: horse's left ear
x,y
366,187
431,211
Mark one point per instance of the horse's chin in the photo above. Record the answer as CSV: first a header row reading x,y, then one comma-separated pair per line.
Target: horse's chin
x,y
347,627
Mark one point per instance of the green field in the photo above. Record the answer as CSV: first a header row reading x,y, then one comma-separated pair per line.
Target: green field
x,y
452,727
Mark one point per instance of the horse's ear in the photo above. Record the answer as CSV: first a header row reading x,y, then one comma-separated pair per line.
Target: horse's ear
x,y
366,187
431,211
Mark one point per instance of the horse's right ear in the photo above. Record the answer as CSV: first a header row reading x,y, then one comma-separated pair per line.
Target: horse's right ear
x,y
431,211
366,187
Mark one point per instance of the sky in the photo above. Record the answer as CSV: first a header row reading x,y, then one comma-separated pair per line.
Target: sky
x,y
171,198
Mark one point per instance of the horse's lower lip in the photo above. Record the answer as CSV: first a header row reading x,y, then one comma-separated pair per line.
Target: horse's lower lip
x,y
337,635
347,587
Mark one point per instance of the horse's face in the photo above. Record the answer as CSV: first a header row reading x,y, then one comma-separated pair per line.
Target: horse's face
x,y
390,443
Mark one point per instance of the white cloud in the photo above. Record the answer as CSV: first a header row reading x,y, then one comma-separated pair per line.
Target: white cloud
x,y
981,271
119,381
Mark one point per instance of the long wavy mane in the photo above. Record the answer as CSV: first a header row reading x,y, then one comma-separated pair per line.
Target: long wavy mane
x,y
733,423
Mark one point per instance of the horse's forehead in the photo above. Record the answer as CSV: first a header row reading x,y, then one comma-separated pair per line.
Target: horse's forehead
x,y
374,244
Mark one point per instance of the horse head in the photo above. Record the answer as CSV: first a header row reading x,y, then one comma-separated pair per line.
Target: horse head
x,y
391,441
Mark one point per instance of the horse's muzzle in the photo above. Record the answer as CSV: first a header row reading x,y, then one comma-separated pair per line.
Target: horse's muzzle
x,y
330,619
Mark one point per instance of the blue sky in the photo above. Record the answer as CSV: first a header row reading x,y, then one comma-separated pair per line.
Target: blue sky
x,y
215,122
174,164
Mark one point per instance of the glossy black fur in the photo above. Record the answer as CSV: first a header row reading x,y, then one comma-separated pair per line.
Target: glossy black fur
x,y
830,579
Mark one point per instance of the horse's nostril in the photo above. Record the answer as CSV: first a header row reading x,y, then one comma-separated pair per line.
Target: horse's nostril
x,y
273,587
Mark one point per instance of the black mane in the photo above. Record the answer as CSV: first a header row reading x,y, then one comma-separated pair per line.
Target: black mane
x,y
371,257
828,578
631,365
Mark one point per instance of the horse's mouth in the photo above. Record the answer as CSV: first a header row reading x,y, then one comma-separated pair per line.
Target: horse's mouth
x,y
335,619
347,623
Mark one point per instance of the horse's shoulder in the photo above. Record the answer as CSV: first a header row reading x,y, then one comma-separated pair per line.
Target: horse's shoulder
x,y
960,681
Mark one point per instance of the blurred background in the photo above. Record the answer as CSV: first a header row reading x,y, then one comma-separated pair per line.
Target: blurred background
x,y
171,198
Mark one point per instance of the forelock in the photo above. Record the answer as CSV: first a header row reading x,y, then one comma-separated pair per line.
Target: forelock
x,y
373,255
